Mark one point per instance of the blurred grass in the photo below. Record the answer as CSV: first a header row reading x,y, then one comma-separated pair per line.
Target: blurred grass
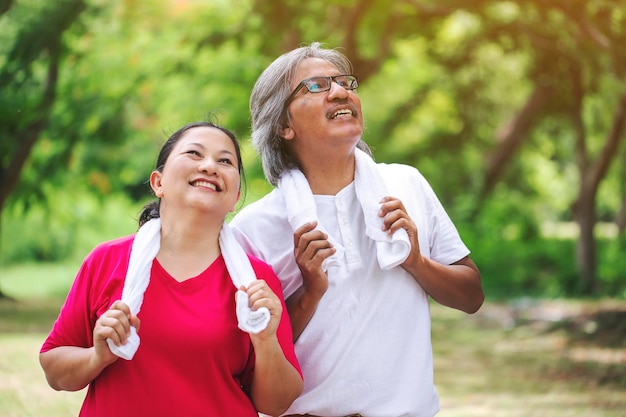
x,y
38,280
512,359
38,291
23,387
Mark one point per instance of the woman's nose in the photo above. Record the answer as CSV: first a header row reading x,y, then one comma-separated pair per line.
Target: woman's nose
x,y
208,165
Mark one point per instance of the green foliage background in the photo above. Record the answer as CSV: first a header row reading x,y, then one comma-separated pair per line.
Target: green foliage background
x,y
438,83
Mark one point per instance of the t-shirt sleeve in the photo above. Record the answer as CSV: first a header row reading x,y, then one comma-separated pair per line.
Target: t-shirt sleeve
x,y
97,285
438,236
446,245
73,326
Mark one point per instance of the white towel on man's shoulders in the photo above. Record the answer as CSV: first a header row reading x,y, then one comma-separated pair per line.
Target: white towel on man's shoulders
x,y
300,206
370,188
144,249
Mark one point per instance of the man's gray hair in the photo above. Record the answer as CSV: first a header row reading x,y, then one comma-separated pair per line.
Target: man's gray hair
x,y
267,103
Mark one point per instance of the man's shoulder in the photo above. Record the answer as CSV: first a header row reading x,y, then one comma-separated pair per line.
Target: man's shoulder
x,y
397,168
262,228
400,175
265,208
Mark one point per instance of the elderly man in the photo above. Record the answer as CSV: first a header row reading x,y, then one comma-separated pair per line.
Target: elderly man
x,y
359,246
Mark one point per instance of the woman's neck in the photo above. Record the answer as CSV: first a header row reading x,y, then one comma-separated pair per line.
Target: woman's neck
x,y
188,247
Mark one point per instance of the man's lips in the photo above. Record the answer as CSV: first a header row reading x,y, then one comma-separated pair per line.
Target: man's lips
x,y
343,110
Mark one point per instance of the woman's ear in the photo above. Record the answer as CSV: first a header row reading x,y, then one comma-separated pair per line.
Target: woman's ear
x,y
236,201
155,183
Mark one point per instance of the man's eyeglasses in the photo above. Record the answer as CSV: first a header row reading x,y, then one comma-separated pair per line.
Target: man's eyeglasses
x,y
321,84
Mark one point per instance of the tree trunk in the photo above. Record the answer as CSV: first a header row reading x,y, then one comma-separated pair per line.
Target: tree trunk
x,y
591,175
29,135
585,217
620,218
3,296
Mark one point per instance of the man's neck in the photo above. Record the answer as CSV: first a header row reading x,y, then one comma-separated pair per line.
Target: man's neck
x,y
330,177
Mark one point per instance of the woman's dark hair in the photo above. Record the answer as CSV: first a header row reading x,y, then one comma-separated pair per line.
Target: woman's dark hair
x,y
151,210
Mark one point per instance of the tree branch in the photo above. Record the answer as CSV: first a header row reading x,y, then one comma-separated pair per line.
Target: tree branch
x,y
28,137
613,140
511,136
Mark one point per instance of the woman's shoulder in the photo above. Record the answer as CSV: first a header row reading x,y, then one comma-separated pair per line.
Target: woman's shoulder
x,y
265,271
119,243
112,248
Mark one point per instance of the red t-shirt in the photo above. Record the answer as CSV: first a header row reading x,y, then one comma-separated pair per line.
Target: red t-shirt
x,y
192,360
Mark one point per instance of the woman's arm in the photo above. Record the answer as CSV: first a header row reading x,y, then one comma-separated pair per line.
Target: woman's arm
x,y
71,368
276,383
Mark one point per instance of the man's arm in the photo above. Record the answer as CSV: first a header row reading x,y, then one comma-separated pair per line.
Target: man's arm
x,y
311,248
457,286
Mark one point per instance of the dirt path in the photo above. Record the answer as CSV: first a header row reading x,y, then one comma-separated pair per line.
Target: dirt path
x,y
519,359
532,359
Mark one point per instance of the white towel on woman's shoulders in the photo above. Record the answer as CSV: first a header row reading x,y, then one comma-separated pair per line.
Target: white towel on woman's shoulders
x,y
370,188
242,274
144,249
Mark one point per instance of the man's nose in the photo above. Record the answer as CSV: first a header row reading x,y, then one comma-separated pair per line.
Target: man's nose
x,y
337,91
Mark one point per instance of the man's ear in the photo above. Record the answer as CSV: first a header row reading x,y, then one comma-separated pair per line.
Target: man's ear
x,y
287,133
155,183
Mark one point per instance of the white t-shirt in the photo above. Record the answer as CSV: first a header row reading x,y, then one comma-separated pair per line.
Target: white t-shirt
x,y
367,348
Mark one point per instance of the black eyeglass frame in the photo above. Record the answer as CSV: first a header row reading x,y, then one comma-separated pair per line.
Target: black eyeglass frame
x,y
352,84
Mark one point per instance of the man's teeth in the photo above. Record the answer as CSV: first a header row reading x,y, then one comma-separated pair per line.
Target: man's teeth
x,y
342,112
204,184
